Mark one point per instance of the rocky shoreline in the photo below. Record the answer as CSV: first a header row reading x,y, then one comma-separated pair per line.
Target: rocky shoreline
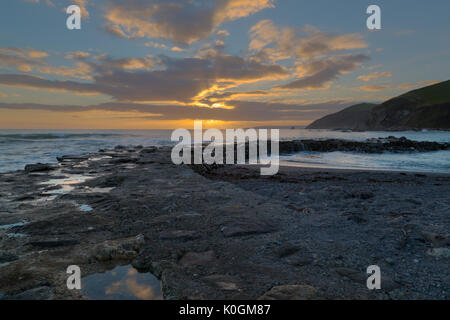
x,y
225,232
379,145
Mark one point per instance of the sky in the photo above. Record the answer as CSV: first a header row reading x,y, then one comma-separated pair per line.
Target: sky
x,y
161,64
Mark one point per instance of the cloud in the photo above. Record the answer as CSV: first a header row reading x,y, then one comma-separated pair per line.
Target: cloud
x,y
133,79
28,60
183,22
229,95
374,75
222,33
316,56
83,6
33,82
279,43
78,55
24,52
80,71
156,45
22,59
374,88
116,30
177,49
416,84
228,10
107,63
321,72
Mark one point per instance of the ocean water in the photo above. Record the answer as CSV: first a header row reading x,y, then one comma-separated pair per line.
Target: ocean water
x,y
21,147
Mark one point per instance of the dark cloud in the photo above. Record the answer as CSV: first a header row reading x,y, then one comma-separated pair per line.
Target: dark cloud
x,y
229,94
182,21
180,80
26,81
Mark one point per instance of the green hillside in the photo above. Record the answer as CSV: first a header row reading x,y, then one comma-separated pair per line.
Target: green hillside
x,y
434,94
425,108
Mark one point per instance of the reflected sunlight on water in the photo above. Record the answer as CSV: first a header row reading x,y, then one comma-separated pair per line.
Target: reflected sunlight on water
x,y
122,283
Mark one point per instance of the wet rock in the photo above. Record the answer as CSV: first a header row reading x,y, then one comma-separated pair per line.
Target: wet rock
x,y
53,243
72,158
223,282
416,201
139,240
290,292
246,201
244,228
39,293
435,239
7,257
366,195
302,210
123,249
38,167
111,181
113,253
286,250
195,259
123,160
179,235
439,252
357,218
148,150
360,195
390,144
300,259
24,198
166,218
387,284
352,274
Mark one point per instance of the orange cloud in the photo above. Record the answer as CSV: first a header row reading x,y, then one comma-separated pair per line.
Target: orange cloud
x,y
180,22
374,75
374,88
321,72
78,55
281,43
23,59
416,84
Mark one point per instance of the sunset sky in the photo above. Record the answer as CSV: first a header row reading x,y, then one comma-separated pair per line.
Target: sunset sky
x,y
234,63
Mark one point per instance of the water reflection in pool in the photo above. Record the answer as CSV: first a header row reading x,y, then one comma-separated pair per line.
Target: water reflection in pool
x,y
122,283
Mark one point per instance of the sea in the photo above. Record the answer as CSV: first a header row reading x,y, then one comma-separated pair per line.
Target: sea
x,y
21,147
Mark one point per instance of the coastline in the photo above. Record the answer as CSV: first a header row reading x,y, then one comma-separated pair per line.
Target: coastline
x,y
224,232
